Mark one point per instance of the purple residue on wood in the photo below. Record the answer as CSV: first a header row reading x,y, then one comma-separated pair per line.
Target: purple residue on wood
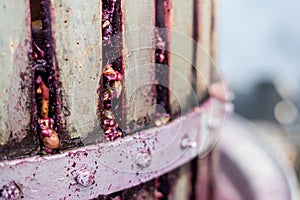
x,y
48,57
112,34
45,70
112,89
111,84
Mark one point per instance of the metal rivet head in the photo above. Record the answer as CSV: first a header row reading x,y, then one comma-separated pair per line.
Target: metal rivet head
x,y
187,143
143,159
84,177
11,191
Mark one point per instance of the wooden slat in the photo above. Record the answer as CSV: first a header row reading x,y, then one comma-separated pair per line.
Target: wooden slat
x,y
15,44
181,53
204,48
205,188
139,51
182,186
77,34
215,74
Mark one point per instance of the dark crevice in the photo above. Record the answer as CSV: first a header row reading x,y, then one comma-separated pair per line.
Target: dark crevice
x,y
162,9
15,150
194,171
50,71
165,186
111,90
112,34
48,112
44,88
167,183
142,191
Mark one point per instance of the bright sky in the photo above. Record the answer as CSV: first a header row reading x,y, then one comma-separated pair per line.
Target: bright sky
x,y
259,38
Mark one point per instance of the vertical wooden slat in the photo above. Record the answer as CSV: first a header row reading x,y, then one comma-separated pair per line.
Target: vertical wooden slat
x,y
204,48
181,53
205,188
77,33
139,23
203,179
15,45
215,75
162,37
182,186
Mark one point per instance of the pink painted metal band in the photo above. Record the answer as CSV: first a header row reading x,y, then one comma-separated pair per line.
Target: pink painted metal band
x,y
105,168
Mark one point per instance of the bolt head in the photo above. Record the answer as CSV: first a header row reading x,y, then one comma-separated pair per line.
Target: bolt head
x,y
187,143
10,191
84,177
143,159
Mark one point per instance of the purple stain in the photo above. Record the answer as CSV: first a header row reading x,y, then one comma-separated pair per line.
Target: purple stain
x,y
44,70
109,187
112,51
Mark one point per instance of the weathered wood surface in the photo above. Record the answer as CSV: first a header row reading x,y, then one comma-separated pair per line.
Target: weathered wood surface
x,y
15,46
77,36
139,51
182,95
204,46
78,46
77,33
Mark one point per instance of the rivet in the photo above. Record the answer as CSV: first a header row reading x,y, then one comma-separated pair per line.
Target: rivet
x,y
187,143
11,191
84,177
143,159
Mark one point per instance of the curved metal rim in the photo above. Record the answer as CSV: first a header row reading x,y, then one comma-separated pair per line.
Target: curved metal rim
x,y
258,161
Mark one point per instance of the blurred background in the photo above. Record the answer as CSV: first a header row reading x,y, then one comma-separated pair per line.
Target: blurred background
x,y
259,55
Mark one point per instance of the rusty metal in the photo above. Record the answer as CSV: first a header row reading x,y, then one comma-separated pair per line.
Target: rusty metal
x,y
112,164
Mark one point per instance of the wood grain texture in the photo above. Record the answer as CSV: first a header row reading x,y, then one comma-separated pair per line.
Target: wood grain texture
x,y
181,53
15,46
77,33
204,48
139,52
